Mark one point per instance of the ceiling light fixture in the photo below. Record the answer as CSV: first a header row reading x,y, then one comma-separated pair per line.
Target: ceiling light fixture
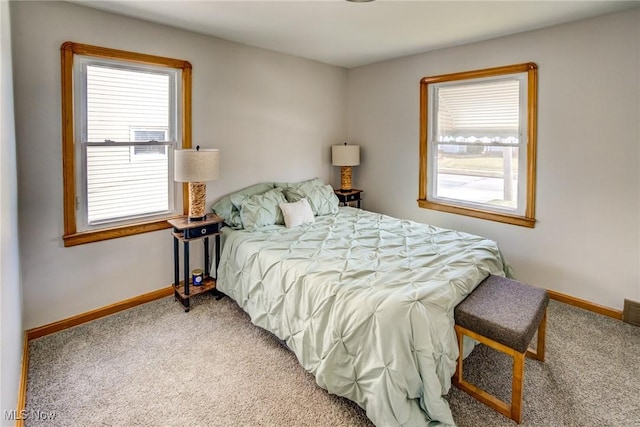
x,y
360,1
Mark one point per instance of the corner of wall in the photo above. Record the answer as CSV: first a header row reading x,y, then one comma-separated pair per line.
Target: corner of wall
x,y
11,309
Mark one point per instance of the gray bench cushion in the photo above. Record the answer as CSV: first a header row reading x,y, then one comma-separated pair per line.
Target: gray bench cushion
x,y
503,310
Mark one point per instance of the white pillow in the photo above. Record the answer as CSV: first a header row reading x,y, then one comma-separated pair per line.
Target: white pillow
x,y
297,213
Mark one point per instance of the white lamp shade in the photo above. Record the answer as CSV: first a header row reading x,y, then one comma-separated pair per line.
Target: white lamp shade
x,y
196,165
345,155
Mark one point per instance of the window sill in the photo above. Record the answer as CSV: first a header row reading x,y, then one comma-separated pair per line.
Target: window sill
x,y
476,213
84,237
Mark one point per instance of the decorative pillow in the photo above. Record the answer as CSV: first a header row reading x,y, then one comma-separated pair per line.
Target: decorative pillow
x,y
260,210
322,199
297,213
227,210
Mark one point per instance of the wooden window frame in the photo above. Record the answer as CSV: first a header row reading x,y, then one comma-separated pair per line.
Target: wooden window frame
x,y
72,236
526,220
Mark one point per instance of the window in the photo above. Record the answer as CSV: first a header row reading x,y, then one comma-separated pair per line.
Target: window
x,y
478,143
154,150
123,115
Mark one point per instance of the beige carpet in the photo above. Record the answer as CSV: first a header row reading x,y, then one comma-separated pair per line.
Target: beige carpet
x,y
155,365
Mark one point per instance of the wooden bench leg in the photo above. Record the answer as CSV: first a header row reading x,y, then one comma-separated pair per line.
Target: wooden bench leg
x,y
513,411
517,386
538,354
473,390
457,377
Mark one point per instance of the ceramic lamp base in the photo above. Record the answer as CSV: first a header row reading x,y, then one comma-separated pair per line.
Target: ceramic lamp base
x,y
197,197
345,178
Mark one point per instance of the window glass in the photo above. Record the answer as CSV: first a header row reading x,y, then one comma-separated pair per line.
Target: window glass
x,y
124,181
122,99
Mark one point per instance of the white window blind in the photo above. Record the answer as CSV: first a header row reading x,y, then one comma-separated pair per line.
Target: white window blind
x,y
128,132
480,112
118,188
120,98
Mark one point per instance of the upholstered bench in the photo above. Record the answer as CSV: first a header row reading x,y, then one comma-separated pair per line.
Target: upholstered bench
x,y
503,314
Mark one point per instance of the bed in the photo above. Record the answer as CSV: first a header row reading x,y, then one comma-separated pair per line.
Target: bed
x,y
365,301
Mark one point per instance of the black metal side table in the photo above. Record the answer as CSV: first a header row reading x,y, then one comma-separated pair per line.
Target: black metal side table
x,y
349,196
186,231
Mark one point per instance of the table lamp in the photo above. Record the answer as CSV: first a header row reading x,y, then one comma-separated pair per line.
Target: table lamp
x,y
196,167
345,156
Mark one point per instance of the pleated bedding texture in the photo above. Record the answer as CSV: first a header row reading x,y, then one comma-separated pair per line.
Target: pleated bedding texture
x,y
365,301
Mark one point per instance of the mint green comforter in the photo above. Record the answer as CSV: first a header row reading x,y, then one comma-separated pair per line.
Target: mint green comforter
x,y
365,301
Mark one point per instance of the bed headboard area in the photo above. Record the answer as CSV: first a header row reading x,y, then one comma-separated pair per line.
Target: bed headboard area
x,y
259,205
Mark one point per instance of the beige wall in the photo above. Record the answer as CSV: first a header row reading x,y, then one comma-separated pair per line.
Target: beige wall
x,y
586,241
11,332
273,116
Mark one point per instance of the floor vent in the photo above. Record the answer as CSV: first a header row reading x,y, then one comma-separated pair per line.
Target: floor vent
x,y
631,312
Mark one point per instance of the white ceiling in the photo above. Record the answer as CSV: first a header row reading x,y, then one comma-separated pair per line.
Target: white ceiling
x,y
352,34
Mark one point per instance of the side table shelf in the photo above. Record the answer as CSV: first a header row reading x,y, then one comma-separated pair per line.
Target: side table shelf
x,y
196,230
208,284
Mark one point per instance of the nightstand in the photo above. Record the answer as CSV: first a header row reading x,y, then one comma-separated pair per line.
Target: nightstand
x,y
186,232
347,197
